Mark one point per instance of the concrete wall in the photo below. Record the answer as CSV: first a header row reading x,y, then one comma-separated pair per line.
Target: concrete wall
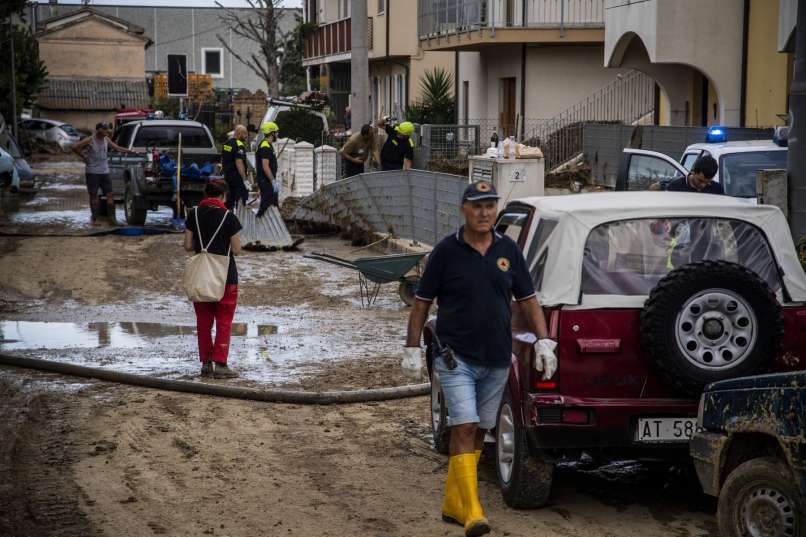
x,y
556,78
92,49
179,30
471,70
787,15
82,119
767,68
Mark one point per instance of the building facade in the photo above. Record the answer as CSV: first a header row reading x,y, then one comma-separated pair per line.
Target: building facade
x,y
192,31
96,65
716,61
396,62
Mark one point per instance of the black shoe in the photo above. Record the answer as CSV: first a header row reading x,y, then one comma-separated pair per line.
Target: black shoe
x,y
207,369
224,372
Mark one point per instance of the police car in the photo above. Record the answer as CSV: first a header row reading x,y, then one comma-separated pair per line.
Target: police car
x,y
738,163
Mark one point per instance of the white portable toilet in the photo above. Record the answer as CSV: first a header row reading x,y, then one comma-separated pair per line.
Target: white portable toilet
x,y
303,169
325,162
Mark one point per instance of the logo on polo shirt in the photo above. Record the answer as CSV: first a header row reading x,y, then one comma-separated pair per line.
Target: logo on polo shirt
x,y
503,263
485,187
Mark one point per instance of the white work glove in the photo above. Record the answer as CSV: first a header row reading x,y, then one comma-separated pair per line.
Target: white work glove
x,y
412,363
545,359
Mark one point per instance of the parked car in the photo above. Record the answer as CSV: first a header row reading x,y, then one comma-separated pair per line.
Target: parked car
x,y
140,180
8,171
49,130
738,164
750,451
9,144
650,297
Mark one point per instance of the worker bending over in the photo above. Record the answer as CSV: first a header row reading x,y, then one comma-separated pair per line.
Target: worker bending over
x,y
398,151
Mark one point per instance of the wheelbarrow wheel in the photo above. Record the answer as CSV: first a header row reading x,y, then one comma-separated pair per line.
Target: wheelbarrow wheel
x,y
408,286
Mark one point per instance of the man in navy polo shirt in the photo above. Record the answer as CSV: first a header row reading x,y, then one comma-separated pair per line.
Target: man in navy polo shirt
x,y
475,274
699,179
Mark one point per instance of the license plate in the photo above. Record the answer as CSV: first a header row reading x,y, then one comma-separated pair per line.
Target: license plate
x,y
193,187
665,429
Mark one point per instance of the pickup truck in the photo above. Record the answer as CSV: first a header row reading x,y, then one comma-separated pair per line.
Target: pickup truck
x,y
142,186
750,451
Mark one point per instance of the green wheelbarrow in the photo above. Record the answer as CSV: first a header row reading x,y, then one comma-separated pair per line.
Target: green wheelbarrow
x,y
374,271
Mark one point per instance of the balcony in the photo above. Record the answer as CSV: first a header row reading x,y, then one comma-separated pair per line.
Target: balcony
x,y
473,24
332,42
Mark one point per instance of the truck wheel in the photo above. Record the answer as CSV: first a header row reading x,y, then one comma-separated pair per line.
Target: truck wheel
x,y
710,321
439,417
134,217
407,288
525,479
760,498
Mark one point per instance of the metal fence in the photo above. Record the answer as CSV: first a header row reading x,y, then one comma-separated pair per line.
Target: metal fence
x,y
413,204
603,143
443,17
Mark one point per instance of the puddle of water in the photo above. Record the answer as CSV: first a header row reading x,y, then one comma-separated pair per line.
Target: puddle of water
x,y
79,219
32,335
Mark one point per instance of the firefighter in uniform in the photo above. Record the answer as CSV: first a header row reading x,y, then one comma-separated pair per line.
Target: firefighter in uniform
x,y
266,164
398,150
233,161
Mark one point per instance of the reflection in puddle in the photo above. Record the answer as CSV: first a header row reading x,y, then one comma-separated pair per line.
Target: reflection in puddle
x,y
29,335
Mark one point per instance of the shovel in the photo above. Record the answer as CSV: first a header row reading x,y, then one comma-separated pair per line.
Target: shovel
x,y
178,223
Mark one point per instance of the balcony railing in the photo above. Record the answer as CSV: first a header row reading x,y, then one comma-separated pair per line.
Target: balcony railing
x,y
444,17
333,38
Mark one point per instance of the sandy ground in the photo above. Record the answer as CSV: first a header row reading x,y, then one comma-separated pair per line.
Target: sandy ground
x,y
85,458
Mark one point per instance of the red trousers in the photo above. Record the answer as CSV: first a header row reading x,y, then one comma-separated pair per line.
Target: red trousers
x,y
222,313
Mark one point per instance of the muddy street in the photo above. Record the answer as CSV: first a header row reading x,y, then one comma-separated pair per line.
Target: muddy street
x,y
88,458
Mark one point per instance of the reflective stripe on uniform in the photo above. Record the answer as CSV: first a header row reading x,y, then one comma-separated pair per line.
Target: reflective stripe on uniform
x,y
227,148
265,143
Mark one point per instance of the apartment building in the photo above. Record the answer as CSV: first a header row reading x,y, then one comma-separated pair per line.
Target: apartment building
x,y
396,63
727,62
522,63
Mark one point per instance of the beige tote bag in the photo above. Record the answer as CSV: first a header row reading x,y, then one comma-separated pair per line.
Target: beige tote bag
x,y
206,273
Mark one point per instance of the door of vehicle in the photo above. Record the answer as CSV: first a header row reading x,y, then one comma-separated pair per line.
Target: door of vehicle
x,y
118,162
647,170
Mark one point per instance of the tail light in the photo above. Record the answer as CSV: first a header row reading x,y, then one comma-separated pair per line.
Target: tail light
x,y
536,380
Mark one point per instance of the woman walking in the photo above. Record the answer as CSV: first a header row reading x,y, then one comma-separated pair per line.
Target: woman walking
x,y
212,226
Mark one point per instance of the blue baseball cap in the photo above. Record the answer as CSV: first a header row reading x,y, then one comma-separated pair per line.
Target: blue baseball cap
x,y
478,191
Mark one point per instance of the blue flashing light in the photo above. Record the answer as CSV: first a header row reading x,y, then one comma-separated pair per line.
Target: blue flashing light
x,y
716,135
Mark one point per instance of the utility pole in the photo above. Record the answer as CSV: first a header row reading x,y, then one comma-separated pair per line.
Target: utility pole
x,y
13,81
359,65
797,131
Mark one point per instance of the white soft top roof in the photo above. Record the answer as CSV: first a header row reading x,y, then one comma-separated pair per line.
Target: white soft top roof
x,y
744,146
578,214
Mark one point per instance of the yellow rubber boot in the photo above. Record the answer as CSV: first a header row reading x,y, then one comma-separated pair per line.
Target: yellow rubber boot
x,y
466,476
452,508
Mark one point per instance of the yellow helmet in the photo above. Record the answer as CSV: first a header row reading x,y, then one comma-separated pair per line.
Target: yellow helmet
x,y
269,127
406,128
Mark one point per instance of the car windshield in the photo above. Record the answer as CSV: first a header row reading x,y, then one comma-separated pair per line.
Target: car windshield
x,y
69,129
168,136
737,171
630,257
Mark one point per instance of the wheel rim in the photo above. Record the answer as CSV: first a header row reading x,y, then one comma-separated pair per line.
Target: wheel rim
x,y
505,442
768,513
436,402
716,329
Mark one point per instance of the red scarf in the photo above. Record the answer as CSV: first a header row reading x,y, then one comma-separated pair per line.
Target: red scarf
x,y
212,202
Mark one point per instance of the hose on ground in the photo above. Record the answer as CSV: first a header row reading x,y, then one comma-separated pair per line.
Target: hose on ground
x,y
269,395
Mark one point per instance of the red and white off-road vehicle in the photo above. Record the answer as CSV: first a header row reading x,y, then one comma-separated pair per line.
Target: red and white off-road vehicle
x,y
650,296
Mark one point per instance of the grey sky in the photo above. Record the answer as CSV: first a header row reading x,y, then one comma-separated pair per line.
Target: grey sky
x,y
171,3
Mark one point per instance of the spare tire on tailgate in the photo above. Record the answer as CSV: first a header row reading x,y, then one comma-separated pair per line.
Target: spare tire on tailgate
x,y
710,321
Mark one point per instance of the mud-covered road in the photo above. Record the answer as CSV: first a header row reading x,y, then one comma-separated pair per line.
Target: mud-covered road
x,y
86,458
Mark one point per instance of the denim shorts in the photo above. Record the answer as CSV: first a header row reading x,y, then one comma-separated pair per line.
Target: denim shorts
x,y
472,392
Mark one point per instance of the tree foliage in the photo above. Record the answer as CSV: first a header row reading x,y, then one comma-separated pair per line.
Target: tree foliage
x,y
11,7
292,73
299,124
257,25
30,72
437,105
